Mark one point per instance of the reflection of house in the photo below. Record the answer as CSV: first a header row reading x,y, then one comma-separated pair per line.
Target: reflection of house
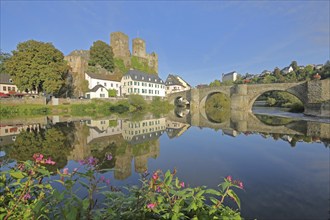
x,y
232,76
147,85
103,128
175,129
228,132
8,133
175,83
140,131
107,81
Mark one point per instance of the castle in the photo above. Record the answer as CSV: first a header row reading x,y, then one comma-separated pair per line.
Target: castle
x,y
78,59
120,46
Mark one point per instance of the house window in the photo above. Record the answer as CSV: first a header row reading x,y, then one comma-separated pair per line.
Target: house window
x,y
9,88
134,83
105,84
101,89
124,84
13,88
111,85
116,85
4,88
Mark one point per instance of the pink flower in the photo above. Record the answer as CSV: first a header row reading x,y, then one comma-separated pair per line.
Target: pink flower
x,y
229,178
240,185
49,161
102,178
151,205
182,184
38,157
109,157
155,176
66,171
107,181
26,196
158,189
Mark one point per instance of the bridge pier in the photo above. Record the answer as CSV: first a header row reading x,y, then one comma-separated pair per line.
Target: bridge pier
x,y
239,98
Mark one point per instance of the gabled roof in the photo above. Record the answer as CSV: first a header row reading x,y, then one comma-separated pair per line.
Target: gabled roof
x,y
105,77
144,77
97,87
5,79
175,80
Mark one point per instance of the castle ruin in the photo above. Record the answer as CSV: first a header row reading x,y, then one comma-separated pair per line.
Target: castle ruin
x,y
120,46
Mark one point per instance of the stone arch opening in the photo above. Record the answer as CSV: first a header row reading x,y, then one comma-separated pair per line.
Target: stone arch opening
x,y
181,101
181,112
216,107
286,99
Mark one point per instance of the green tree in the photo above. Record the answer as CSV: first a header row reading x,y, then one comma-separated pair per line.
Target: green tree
x,y
101,54
137,101
37,66
215,83
294,65
112,92
277,74
3,57
269,79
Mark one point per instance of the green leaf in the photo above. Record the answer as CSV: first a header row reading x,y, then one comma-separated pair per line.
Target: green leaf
x,y
17,175
233,195
213,192
214,200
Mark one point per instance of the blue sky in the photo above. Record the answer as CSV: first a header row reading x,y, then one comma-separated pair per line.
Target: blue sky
x,y
197,40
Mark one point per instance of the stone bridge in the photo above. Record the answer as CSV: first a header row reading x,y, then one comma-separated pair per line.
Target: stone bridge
x,y
315,96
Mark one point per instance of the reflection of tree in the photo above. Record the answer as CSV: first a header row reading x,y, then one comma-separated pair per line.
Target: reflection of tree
x,y
274,120
217,108
123,153
53,142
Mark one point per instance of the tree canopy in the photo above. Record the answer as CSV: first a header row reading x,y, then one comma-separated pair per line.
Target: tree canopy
x,y
37,66
3,57
101,54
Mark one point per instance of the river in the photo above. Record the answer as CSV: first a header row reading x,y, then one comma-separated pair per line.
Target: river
x,y
285,173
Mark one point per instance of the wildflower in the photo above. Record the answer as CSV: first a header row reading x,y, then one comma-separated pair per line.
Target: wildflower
x,y
229,178
21,166
38,157
49,161
158,189
182,184
82,162
107,181
109,157
92,161
26,196
102,178
155,176
151,205
66,171
240,184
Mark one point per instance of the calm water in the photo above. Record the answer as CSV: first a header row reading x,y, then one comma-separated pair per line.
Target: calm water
x,y
285,173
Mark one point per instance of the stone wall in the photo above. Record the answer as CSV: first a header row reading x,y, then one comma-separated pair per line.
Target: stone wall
x,y
22,101
318,91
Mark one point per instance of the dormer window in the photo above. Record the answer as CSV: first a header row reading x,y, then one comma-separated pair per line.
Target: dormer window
x,y
155,80
135,77
10,80
149,79
142,78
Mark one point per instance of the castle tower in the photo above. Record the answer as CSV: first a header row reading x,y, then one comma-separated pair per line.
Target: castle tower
x,y
139,48
153,61
120,47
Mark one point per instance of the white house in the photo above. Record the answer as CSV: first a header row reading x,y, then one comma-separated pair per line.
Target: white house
x,y
98,91
175,83
287,70
107,81
147,85
232,76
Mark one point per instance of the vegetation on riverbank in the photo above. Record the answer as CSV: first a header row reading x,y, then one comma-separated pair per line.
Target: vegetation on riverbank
x,y
134,104
217,108
284,100
28,192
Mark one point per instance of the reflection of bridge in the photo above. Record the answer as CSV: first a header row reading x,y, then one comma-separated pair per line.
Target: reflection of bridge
x,y
242,121
315,95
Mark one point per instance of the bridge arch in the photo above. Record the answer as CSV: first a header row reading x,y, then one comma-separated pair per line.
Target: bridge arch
x,y
297,90
215,113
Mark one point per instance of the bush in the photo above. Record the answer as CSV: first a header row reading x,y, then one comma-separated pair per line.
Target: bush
x,y
27,193
137,101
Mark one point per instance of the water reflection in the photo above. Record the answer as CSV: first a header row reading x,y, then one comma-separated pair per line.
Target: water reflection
x,y
128,140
